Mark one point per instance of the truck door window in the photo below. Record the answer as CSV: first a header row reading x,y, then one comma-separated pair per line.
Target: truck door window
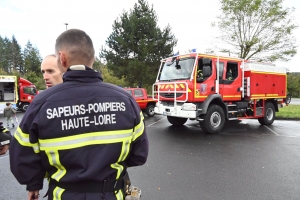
x,y
129,91
231,71
138,93
204,69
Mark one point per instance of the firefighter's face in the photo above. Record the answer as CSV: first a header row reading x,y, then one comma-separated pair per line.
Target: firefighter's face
x,y
51,72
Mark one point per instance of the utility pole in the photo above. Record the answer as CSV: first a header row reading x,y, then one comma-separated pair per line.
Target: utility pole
x,y
66,26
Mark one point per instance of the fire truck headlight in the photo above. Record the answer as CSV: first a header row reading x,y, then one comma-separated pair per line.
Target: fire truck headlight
x,y
189,106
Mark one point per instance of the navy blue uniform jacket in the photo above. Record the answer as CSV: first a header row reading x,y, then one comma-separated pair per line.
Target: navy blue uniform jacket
x,y
80,130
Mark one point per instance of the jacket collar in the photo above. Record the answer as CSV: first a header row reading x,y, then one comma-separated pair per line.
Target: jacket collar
x,y
81,73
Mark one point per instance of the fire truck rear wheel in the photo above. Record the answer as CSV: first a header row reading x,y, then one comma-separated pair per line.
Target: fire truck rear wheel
x,y
176,121
150,110
214,120
269,115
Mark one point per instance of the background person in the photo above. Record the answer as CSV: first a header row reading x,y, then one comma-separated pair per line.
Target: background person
x,y
8,113
51,72
83,133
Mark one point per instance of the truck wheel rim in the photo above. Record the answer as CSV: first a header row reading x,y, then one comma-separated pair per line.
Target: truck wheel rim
x,y
25,107
215,119
151,111
270,114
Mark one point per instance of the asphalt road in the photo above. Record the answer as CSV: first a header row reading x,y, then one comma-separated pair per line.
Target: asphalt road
x,y
246,161
295,101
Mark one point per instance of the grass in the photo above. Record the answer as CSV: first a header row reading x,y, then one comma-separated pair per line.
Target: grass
x,y
290,112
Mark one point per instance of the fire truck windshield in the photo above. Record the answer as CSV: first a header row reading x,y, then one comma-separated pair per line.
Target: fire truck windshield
x,y
29,90
179,70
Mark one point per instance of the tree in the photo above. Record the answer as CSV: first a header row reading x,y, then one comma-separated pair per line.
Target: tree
x,y
293,84
2,53
32,59
107,74
5,54
137,44
15,55
257,29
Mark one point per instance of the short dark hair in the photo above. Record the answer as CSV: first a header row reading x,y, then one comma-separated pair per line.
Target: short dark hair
x,y
78,45
7,104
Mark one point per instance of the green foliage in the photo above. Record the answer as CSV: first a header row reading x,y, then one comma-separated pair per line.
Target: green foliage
x,y
15,55
293,84
4,54
290,112
36,79
32,59
24,64
137,44
107,75
257,29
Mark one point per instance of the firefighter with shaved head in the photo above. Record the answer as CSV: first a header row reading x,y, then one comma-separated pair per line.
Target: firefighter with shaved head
x,y
81,134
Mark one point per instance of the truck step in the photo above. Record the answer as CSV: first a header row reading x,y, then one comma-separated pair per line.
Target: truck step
x,y
231,105
233,118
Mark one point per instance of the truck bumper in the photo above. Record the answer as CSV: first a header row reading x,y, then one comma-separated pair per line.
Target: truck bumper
x,y
175,111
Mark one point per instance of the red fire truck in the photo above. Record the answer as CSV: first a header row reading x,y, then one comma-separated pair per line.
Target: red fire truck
x,y
17,91
212,89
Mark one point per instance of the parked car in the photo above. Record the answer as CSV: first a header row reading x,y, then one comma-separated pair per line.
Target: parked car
x,y
146,103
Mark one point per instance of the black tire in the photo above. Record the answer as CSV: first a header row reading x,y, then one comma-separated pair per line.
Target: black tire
x,y
214,119
288,99
150,110
269,115
24,106
176,121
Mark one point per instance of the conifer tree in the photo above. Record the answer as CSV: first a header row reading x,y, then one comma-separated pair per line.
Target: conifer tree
x,y
137,44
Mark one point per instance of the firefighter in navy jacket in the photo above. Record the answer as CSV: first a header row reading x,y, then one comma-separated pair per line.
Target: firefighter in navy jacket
x,y
81,134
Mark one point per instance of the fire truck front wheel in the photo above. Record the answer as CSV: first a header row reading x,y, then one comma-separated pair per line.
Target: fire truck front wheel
x,y
150,110
177,121
214,120
24,106
269,115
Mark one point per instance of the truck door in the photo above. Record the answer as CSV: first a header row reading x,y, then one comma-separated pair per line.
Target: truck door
x,y
230,80
205,81
140,98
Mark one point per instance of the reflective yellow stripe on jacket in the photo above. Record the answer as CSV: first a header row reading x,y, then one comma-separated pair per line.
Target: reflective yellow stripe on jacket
x,y
75,141
23,139
138,130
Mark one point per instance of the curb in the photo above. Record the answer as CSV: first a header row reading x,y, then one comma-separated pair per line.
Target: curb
x,y
290,119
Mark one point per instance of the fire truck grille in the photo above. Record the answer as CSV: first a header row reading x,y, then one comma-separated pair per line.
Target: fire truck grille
x,y
171,95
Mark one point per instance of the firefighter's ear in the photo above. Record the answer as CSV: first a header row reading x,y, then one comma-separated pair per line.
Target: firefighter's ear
x,y
62,59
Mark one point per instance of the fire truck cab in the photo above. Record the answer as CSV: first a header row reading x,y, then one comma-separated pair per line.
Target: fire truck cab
x,y
212,89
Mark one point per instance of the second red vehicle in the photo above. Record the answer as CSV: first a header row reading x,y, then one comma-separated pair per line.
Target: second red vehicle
x,y
146,103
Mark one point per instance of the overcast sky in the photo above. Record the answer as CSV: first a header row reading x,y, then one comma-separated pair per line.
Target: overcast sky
x,y
41,21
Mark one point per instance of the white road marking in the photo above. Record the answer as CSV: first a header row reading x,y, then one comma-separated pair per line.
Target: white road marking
x,y
272,131
155,122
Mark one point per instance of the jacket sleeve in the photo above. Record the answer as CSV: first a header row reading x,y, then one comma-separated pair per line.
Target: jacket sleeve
x,y
25,161
140,146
